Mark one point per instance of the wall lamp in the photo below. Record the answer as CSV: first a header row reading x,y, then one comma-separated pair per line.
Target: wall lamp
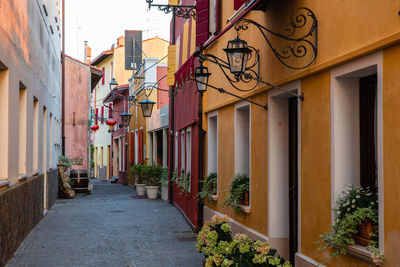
x,y
298,52
183,11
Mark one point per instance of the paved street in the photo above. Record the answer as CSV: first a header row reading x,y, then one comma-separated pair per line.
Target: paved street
x,y
109,228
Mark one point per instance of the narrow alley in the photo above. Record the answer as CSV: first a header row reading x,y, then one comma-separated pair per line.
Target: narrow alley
x,y
109,228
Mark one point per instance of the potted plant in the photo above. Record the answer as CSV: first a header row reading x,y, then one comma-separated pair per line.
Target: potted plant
x,y
164,183
153,180
209,188
238,192
220,249
184,182
137,171
356,222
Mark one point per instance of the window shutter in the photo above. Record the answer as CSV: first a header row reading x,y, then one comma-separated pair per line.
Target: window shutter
x,y
131,154
140,150
239,3
97,115
104,74
102,114
171,65
202,23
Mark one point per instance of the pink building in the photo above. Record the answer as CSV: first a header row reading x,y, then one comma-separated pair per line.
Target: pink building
x,y
80,79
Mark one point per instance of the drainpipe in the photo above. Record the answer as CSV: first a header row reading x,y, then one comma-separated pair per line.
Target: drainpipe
x,y
201,162
63,82
172,125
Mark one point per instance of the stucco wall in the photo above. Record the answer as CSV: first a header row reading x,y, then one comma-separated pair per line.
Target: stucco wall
x,y
31,53
77,88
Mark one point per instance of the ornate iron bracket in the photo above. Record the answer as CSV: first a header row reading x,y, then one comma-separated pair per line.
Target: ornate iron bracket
x,y
253,70
178,10
300,34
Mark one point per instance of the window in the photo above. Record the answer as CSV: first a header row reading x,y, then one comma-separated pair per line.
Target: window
x,y
189,155
4,91
212,146
22,128
51,140
101,156
183,151
242,139
35,134
45,140
356,125
176,151
136,147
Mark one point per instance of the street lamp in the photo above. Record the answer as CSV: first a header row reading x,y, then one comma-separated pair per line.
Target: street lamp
x,y
147,107
113,83
237,52
201,74
126,118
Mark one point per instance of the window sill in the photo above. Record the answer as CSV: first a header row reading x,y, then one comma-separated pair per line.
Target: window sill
x,y
4,185
22,178
245,209
364,254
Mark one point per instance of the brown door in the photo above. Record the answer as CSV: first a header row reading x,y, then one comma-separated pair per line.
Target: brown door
x,y
293,175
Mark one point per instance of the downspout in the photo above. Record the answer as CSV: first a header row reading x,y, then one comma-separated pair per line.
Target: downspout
x,y
172,125
201,163
63,82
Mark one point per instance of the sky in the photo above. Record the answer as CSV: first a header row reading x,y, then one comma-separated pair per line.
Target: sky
x,y
101,22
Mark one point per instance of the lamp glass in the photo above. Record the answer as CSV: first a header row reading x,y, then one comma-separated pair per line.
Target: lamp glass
x,y
147,107
126,118
201,74
237,53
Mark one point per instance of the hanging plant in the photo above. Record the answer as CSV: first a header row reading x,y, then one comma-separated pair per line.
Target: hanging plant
x,y
184,182
209,188
356,210
238,190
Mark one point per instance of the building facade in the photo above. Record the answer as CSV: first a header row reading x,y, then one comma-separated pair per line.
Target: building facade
x,y
80,80
300,154
30,109
112,64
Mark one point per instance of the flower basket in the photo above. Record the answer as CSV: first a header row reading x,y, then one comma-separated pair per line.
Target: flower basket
x,y
363,237
245,199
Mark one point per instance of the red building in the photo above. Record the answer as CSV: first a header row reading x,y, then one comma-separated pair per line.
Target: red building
x,y
185,120
116,100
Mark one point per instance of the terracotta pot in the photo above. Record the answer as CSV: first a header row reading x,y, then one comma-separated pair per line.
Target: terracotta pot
x,y
245,199
140,189
152,191
363,236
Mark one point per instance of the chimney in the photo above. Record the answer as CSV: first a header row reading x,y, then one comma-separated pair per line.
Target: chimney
x,y
87,53
120,41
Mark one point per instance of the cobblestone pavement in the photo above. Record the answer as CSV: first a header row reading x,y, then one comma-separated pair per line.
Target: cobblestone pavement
x,y
109,228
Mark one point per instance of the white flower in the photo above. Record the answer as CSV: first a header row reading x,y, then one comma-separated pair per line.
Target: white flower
x,y
357,196
348,209
338,213
353,201
353,206
372,203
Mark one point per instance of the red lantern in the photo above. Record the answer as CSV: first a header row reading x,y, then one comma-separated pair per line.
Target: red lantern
x,y
94,127
111,122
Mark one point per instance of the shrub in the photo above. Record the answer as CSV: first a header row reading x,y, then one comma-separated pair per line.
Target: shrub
x,y
64,161
137,172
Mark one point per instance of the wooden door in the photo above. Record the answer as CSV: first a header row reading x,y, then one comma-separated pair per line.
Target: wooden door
x,y
293,177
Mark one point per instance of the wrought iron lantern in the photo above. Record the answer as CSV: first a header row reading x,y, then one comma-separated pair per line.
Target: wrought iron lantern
x,y
201,74
238,53
126,118
113,83
147,107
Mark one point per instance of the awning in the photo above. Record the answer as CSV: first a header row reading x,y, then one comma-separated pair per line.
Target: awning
x,y
116,92
185,72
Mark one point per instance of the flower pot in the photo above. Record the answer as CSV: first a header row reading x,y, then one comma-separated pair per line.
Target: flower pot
x,y
245,199
363,236
164,193
152,191
140,189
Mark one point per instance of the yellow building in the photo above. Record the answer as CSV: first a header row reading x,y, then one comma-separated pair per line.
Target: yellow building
x,y
149,74
300,154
